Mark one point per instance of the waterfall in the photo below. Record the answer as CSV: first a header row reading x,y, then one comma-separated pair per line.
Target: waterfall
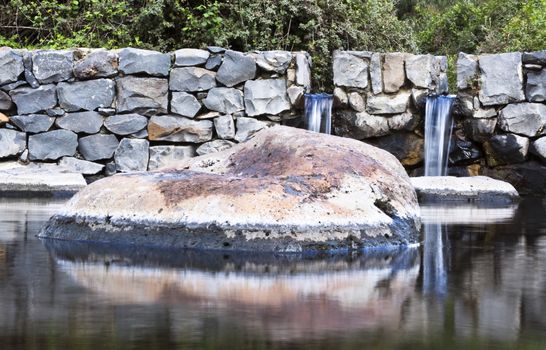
x,y
318,112
438,126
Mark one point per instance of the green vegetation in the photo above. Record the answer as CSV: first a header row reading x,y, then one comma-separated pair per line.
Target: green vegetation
x,y
317,26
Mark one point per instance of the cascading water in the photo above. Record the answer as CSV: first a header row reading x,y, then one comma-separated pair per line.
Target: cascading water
x,y
318,112
438,126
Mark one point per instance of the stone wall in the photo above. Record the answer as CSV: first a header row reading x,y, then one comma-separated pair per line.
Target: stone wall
x,y
501,118
380,98
101,112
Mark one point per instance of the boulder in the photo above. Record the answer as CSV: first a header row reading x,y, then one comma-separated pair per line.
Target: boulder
x,y
267,96
52,66
98,146
350,70
247,127
190,57
479,129
225,127
146,96
11,66
96,64
394,75
467,70
40,179
192,79
179,129
535,89
138,61
52,145
184,104
33,123
286,190
388,104
538,148
360,125
12,143
126,124
168,156
81,122
407,147
86,95
224,100
501,79
29,100
274,61
303,70
236,68
84,167
465,189
506,149
214,146
132,155
376,75
527,119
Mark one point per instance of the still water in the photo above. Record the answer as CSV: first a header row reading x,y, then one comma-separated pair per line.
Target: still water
x,y
478,281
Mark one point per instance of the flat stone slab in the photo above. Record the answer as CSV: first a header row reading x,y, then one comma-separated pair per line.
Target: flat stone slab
x,y
468,189
38,180
285,190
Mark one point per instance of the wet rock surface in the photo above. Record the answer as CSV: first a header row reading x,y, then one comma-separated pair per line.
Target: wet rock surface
x,y
316,192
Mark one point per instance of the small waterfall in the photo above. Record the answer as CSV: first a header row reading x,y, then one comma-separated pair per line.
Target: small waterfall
x,y
318,112
438,126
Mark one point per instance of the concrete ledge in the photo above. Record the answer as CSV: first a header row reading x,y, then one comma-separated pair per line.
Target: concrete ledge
x,y
38,180
468,189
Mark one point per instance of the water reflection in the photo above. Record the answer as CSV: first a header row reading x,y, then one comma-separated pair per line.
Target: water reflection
x,y
434,264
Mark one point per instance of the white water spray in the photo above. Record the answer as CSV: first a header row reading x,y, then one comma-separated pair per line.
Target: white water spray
x,y
438,126
318,112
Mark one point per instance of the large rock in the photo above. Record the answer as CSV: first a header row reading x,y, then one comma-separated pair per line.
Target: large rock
x,y
184,104
286,190
467,70
179,129
29,100
12,143
33,123
168,156
224,100
225,127
87,95
214,146
501,79
190,57
132,155
303,70
394,74
96,64
236,68
506,149
147,96
388,104
536,86
99,146
538,148
80,166
138,61
11,66
274,61
267,96
420,70
407,147
86,122
247,127
52,145
52,66
350,70
126,124
528,119
192,79
466,189
361,125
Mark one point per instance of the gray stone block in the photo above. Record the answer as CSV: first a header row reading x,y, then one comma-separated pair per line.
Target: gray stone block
x,y
138,61
394,74
467,70
146,96
214,146
33,123
225,127
247,127
506,149
98,146
536,86
12,143
52,145
388,104
184,104
303,70
97,64
5,101
267,96
528,119
167,156
274,61
52,66
501,79
538,148
214,62
236,68
29,100
132,155
179,129
224,100
11,66
190,57
86,95
80,166
192,79
126,124
350,70
85,122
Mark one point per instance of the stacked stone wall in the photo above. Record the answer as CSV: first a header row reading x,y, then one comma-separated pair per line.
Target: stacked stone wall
x,y
101,112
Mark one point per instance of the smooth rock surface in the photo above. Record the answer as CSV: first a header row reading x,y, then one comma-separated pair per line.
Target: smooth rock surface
x,y
52,145
501,79
224,100
86,122
52,66
527,119
169,156
267,96
12,143
43,179
468,189
80,166
190,57
184,104
139,61
132,155
29,100
236,68
86,95
192,79
179,129
287,190
126,124
350,70
99,146
146,96
33,123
